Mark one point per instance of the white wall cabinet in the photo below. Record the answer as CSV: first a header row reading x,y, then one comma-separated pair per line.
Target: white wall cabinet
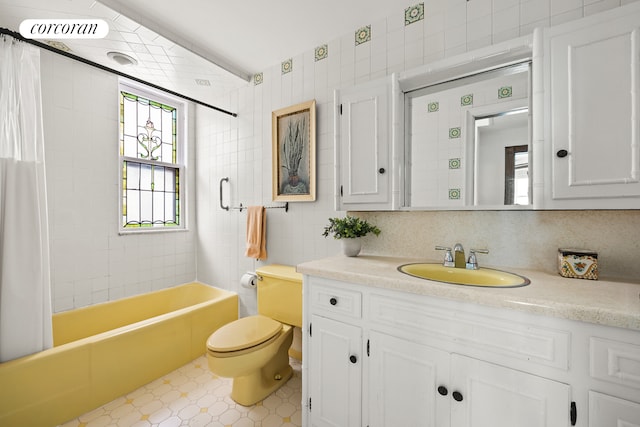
x,y
591,106
363,147
377,357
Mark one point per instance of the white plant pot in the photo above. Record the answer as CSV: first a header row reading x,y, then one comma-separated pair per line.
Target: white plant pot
x,y
351,247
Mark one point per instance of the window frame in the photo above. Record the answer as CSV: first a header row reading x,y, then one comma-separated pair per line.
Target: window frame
x,y
181,156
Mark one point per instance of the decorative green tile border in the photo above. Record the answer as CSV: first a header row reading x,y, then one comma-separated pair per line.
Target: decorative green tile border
x,y
433,107
413,14
466,100
258,79
454,163
363,35
454,194
505,92
287,66
454,133
322,52
58,45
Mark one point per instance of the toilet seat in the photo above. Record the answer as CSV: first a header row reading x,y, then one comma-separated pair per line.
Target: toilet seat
x,y
243,334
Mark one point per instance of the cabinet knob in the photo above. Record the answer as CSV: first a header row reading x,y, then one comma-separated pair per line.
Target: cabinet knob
x,y
443,390
562,153
457,396
381,170
333,301
353,359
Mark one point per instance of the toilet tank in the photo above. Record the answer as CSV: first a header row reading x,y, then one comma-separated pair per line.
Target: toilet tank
x,y
280,293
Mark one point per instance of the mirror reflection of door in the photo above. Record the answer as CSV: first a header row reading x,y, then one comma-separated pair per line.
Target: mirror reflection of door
x,y
516,175
502,166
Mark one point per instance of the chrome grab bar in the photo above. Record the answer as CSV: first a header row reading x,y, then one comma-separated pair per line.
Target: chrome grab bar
x,y
226,208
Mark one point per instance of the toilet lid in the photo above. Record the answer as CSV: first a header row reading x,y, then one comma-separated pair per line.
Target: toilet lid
x,y
243,333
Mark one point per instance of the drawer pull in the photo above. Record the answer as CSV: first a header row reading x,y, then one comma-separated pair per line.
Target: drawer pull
x,y
443,390
353,359
333,301
457,396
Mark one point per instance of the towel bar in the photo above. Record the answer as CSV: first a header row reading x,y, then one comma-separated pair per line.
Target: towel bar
x,y
241,208
285,207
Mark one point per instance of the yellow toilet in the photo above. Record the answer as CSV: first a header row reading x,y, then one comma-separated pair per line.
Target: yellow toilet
x,y
254,350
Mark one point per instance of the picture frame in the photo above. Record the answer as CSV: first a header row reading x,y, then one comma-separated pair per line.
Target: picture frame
x,y
294,153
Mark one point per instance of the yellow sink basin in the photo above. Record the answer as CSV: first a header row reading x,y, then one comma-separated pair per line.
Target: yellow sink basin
x,y
487,277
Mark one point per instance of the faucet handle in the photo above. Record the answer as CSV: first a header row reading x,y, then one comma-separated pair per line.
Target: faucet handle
x,y
448,256
472,262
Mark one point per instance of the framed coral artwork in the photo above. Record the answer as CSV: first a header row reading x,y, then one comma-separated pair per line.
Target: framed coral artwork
x,y
294,153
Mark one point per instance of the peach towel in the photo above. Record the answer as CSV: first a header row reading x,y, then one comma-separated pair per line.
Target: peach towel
x,y
256,232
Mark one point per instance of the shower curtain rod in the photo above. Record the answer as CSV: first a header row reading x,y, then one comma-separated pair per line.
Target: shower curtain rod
x,y
45,46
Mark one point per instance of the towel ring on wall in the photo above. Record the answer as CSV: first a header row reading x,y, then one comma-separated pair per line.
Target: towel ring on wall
x,y
241,207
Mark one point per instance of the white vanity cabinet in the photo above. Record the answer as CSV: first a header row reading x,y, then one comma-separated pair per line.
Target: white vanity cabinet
x,y
336,355
363,148
334,327
403,380
614,361
591,75
607,410
378,357
414,385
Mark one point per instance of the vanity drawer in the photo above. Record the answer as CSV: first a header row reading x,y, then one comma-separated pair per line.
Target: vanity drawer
x,y
334,300
615,361
500,338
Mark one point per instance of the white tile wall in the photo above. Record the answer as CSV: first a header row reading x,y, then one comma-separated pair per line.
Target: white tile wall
x,y
241,148
90,262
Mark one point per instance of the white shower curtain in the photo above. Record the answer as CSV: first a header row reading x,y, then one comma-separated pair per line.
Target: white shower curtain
x,y
25,288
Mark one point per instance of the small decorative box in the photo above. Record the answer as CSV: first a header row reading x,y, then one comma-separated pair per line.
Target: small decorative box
x,y
578,263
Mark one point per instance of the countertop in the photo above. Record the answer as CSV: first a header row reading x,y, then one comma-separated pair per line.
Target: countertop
x,y
604,302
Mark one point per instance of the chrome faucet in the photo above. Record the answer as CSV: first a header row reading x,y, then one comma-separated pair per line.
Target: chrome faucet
x,y
457,259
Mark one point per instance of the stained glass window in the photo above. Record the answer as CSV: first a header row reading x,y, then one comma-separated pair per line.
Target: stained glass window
x,y
151,164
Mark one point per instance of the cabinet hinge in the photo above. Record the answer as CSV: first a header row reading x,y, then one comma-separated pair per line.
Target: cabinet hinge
x,y
367,348
340,109
309,329
573,413
309,404
341,191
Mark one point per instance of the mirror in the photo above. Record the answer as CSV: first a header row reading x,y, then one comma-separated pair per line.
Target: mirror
x,y
467,142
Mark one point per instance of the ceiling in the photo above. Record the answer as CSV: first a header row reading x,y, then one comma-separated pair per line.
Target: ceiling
x,y
203,48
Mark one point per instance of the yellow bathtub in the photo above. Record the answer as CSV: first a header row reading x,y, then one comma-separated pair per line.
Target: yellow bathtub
x,y
106,350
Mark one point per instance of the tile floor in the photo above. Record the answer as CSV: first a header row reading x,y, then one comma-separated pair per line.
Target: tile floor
x,y
193,396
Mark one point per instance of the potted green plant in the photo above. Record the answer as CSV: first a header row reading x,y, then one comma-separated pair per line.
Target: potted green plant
x,y
350,229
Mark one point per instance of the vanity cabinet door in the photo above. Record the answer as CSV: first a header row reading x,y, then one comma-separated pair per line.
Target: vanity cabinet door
x,y
407,383
607,410
592,106
335,383
362,147
490,395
